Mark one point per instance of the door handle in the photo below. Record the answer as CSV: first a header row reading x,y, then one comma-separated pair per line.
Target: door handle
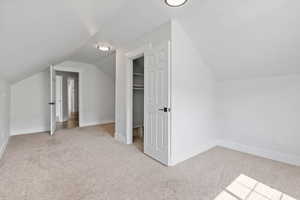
x,y
165,109
51,103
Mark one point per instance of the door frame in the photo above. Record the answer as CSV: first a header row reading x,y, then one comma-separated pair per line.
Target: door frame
x,y
80,97
130,56
52,100
61,95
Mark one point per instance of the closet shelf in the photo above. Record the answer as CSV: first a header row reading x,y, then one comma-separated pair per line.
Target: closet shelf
x,y
138,74
138,85
139,88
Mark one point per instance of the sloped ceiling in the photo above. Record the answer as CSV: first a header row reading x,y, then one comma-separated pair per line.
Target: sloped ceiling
x,y
238,39
90,55
35,34
249,38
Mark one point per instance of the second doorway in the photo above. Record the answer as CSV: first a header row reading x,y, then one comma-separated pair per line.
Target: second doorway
x,y
67,100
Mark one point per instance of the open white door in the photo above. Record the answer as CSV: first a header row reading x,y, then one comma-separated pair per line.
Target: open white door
x,y
52,100
157,103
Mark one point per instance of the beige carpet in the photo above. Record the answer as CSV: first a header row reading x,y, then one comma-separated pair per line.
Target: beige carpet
x,y
88,164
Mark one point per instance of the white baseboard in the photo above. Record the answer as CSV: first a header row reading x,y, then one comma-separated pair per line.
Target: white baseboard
x,y
97,123
3,147
43,130
186,156
29,131
64,119
121,138
273,155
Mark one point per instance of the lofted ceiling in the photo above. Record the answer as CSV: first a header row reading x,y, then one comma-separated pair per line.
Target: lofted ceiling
x,y
238,39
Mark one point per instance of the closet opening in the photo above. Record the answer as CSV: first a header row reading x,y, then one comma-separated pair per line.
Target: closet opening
x,y
138,103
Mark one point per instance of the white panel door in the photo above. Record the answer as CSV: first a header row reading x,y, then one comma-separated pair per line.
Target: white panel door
x,y
52,100
157,103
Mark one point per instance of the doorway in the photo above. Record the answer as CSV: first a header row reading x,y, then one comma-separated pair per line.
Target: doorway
x,y
67,100
138,102
156,131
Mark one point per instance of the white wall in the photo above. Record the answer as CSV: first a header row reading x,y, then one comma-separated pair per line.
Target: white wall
x,y
96,93
29,109
160,34
192,89
261,116
121,83
30,97
258,116
193,99
4,115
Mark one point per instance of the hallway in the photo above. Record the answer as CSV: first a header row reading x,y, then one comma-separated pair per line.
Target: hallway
x,y
72,122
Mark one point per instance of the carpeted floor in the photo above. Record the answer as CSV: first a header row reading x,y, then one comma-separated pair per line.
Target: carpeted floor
x,y
88,164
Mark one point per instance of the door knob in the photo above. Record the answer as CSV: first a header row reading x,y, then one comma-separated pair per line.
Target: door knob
x,y
165,109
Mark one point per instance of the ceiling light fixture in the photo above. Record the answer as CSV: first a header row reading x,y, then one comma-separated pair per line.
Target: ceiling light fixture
x,y
103,48
175,3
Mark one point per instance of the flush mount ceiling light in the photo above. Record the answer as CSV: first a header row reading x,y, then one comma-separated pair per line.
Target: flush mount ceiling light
x,y
103,48
175,3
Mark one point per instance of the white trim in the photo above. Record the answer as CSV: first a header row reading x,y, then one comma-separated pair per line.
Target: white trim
x,y
44,130
29,131
129,103
136,53
3,147
102,122
265,153
121,138
170,135
66,118
59,80
52,100
130,56
201,149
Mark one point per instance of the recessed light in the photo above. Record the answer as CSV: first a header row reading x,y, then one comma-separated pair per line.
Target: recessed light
x,y
103,47
175,3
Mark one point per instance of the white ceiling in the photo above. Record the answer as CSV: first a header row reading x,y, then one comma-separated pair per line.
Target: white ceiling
x,y
238,39
249,38
89,54
35,34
